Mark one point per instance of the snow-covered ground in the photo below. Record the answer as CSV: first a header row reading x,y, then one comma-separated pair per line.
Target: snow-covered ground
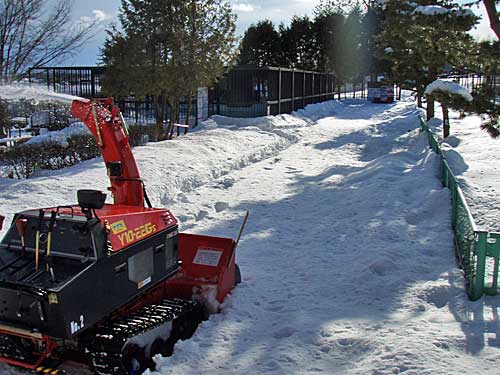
x,y
474,158
347,259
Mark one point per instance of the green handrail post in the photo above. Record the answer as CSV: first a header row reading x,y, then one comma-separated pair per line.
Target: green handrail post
x,y
493,252
476,286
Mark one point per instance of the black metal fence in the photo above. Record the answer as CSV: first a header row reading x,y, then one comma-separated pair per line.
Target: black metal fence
x,y
249,91
83,81
245,91
142,111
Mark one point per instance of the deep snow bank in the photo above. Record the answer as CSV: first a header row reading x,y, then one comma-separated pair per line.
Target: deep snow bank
x,y
169,168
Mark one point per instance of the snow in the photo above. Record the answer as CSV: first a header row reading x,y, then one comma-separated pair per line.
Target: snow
x,y
473,157
347,259
35,93
61,136
433,10
449,87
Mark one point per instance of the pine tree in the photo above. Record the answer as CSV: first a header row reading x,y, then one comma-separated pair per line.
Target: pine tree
x,y
486,59
298,43
167,49
261,45
420,43
369,52
329,30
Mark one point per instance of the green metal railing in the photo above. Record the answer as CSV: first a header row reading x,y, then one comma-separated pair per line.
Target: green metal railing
x,y
477,251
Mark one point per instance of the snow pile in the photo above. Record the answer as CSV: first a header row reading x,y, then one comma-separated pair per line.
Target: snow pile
x,y
449,87
61,136
285,125
35,93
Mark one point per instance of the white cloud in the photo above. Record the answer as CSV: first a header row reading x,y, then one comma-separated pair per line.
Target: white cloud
x,y
242,7
98,16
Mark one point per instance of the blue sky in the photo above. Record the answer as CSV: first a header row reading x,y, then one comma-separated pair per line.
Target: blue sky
x,y
248,12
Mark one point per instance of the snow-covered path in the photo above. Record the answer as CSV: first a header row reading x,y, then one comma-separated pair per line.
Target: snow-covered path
x,y
347,260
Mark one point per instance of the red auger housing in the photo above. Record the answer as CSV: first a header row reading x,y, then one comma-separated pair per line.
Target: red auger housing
x,y
73,276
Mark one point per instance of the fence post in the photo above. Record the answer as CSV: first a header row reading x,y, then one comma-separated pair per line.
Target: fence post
x,y
304,91
496,256
293,89
313,92
476,283
92,83
279,91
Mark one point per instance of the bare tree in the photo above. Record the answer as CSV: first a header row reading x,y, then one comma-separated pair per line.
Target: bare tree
x,y
35,33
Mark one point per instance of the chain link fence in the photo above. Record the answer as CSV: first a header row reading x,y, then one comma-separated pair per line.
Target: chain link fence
x,y
477,251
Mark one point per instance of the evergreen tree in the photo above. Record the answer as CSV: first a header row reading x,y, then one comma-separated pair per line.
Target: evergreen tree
x,y
261,45
298,43
420,41
349,56
486,59
329,31
167,49
371,26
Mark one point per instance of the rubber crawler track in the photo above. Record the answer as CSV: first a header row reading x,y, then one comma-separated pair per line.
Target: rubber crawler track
x,y
106,351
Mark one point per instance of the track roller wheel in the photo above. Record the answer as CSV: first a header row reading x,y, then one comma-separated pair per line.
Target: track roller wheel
x,y
161,346
134,360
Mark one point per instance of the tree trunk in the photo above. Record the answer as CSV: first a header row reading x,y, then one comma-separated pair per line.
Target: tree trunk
x,y
159,121
446,120
171,119
430,107
162,113
188,112
178,115
174,115
493,15
419,101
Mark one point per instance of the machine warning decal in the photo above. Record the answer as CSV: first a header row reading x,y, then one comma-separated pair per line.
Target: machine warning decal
x,y
53,299
118,227
207,257
136,234
144,283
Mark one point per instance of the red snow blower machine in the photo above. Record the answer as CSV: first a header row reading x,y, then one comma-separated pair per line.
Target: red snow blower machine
x,y
106,285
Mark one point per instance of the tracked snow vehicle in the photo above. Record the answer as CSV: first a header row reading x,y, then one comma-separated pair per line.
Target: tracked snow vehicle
x,y
109,285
